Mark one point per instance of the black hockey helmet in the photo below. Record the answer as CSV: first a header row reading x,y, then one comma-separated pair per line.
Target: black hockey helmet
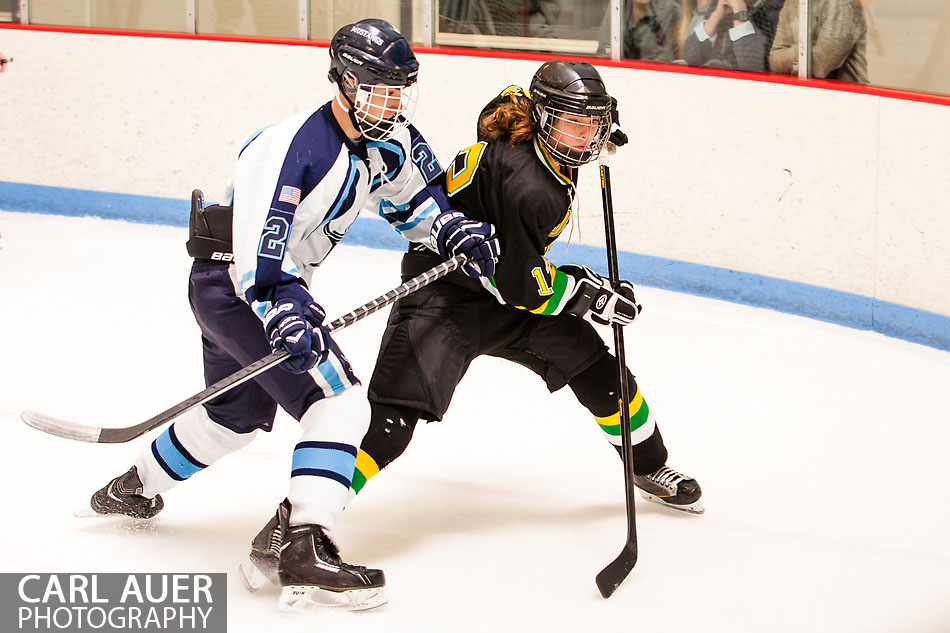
x,y
371,51
368,59
570,91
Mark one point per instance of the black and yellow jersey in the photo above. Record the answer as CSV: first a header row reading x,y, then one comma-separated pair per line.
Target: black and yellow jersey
x,y
521,191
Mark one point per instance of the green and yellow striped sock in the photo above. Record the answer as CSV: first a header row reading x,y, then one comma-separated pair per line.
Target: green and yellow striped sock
x,y
642,424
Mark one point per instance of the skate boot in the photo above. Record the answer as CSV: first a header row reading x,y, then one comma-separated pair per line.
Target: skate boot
x,y
672,489
123,497
313,576
261,566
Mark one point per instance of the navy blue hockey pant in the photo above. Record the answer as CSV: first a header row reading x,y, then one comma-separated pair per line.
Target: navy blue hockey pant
x,y
232,337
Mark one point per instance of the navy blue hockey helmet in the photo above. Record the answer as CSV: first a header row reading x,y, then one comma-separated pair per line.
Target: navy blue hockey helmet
x,y
376,70
571,109
371,51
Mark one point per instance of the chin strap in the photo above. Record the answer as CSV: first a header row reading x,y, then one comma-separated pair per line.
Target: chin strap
x,y
349,106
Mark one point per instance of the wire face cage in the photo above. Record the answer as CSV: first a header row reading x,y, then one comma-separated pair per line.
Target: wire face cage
x,y
383,110
573,139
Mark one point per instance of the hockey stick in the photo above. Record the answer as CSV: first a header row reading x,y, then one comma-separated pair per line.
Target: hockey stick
x,y
613,574
99,435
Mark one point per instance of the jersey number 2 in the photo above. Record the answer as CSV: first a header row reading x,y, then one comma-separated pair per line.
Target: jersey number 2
x,y
274,238
425,160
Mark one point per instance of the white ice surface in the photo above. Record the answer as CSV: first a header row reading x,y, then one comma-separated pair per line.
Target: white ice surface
x,y
822,452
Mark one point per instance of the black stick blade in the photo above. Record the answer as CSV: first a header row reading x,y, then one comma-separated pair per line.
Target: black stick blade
x,y
613,574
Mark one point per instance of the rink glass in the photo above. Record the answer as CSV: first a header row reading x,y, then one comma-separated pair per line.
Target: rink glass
x,y
905,40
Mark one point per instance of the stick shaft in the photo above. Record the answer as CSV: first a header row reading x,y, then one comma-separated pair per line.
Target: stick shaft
x,y
611,576
84,433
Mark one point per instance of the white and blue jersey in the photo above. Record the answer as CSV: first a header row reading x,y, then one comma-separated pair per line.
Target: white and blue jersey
x,y
300,184
297,188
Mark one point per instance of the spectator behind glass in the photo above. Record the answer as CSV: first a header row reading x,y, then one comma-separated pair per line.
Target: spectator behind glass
x,y
4,61
484,17
838,41
694,13
649,30
544,18
732,35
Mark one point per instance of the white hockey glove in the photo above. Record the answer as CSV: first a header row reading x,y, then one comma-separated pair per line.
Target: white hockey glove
x,y
595,299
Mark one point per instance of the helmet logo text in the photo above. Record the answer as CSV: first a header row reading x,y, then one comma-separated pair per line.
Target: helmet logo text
x,y
372,37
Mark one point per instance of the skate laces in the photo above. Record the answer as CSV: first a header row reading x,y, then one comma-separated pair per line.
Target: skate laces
x,y
667,477
323,546
326,545
276,539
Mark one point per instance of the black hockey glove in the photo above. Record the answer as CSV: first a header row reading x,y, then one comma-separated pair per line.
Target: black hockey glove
x,y
617,137
594,298
294,323
454,233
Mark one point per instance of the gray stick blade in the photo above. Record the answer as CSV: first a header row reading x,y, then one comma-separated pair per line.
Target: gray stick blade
x,y
61,428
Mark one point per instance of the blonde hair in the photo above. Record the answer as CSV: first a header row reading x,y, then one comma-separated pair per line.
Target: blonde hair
x,y
510,119
683,27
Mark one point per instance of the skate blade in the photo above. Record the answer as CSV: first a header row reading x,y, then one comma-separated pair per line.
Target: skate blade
x,y
252,577
89,513
693,508
307,598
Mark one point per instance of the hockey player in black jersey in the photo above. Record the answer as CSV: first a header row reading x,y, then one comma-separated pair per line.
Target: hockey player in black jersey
x,y
519,177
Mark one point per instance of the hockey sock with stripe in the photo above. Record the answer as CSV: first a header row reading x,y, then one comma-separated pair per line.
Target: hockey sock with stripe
x,y
324,458
390,431
185,448
597,389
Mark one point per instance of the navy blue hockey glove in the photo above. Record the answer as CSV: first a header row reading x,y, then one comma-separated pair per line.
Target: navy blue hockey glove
x,y
454,233
594,298
295,324
617,137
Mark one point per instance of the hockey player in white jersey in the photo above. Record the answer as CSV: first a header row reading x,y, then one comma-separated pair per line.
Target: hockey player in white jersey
x,y
297,188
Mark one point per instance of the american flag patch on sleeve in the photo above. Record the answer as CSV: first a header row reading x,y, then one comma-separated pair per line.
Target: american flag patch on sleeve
x,y
289,194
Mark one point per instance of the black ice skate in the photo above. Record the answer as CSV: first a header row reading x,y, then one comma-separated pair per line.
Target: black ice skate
x,y
123,497
672,489
313,576
261,566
